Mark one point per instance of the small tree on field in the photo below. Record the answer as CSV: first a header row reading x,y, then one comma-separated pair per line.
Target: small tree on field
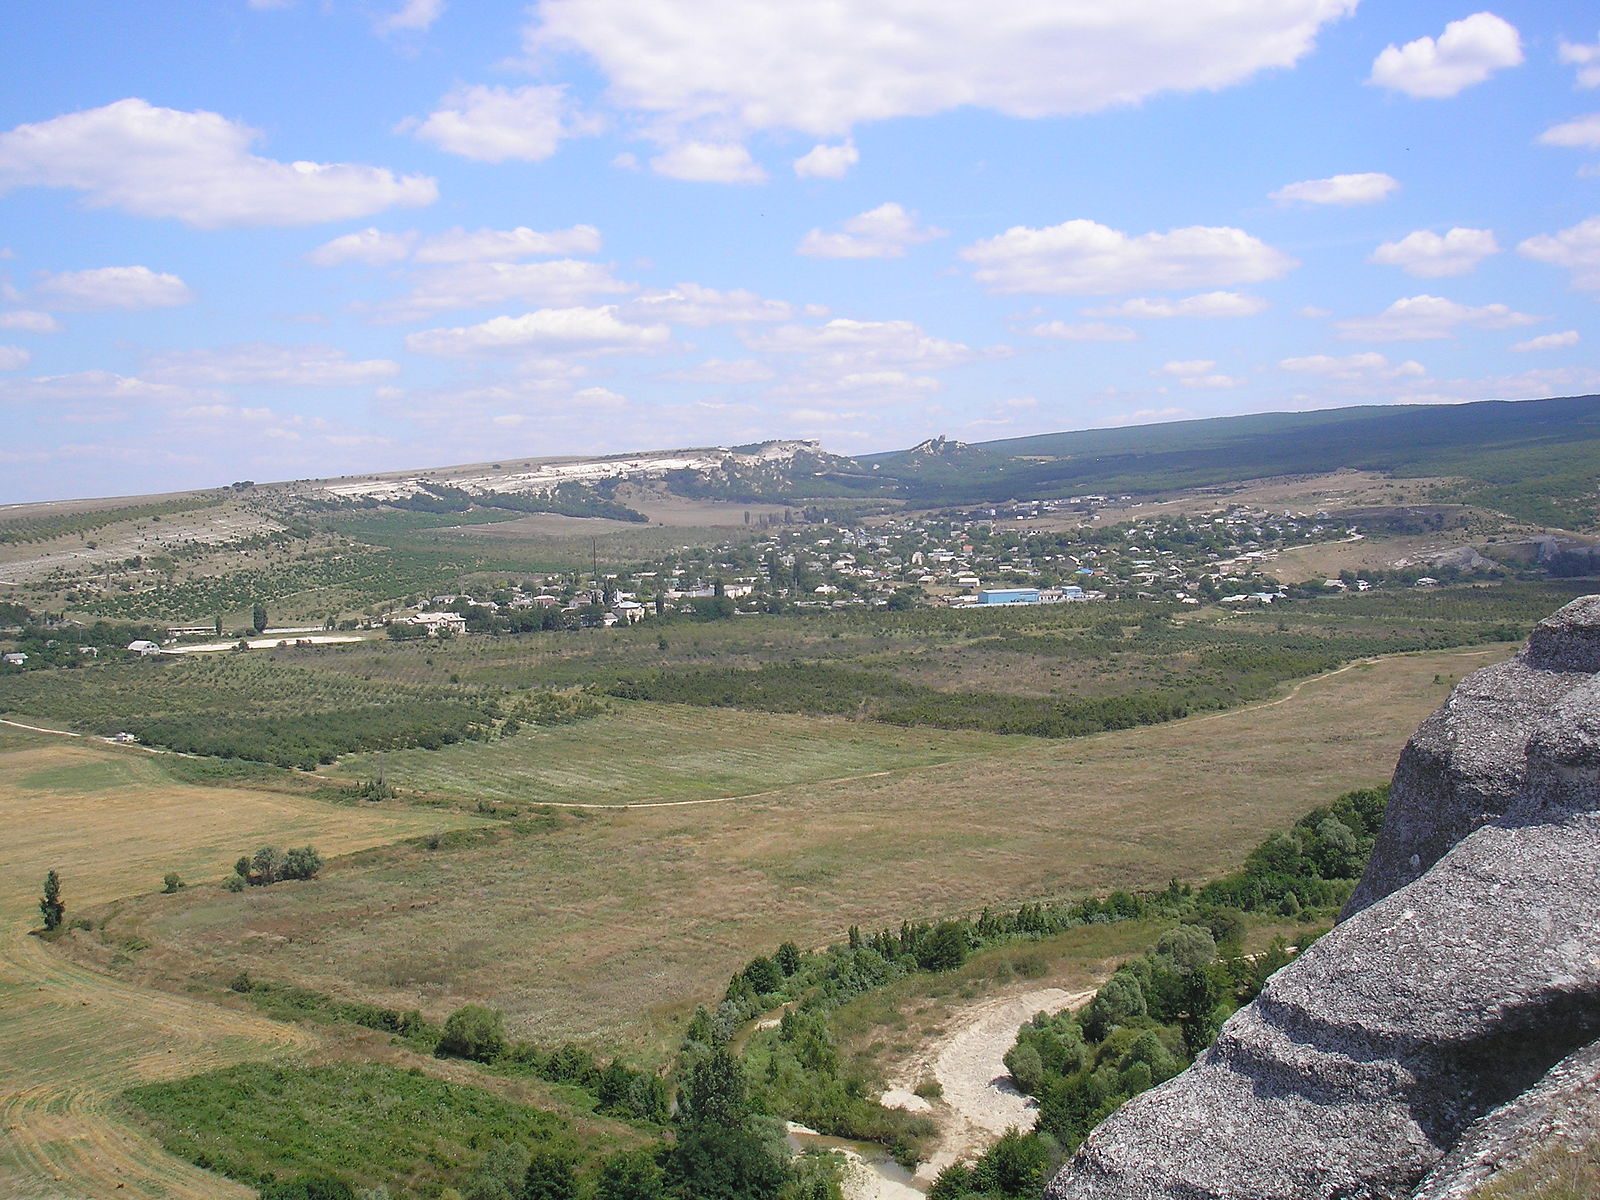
x,y
267,865
51,907
171,882
301,863
258,617
473,1031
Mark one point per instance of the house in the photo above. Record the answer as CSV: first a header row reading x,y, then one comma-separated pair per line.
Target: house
x,y
143,648
15,659
1008,596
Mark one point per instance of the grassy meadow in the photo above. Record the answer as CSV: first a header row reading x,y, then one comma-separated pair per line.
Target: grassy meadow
x,y
608,926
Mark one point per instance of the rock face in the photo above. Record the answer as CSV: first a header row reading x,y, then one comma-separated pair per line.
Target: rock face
x,y
1466,967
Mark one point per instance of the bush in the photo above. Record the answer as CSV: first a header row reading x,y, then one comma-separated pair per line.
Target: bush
x,y
473,1031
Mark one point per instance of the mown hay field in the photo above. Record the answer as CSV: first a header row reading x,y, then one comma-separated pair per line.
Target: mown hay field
x,y
112,822
608,927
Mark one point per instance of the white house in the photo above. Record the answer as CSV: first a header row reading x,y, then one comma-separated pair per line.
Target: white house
x,y
143,648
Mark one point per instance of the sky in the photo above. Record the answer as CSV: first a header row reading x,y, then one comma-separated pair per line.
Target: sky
x,y
283,239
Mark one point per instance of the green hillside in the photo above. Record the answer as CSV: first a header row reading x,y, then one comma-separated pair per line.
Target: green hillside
x,y
1534,459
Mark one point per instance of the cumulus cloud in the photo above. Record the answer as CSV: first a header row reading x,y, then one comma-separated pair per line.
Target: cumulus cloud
x,y
1354,368
1466,53
847,344
1088,331
371,247
827,162
375,248
709,162
485,245
882,232
1577,249
267,363
821,69
582,330
1550,341
113,287
559,283
104,386
14,358
1366,188
695,304
1581,133
413,16
717,370
1208,305
1198,373
1427,255
28,321
502,124
1084,257
1426,318
1586,58
884,385
195,167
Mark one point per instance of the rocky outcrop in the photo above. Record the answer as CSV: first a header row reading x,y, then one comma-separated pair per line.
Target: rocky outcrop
x,y
1466,968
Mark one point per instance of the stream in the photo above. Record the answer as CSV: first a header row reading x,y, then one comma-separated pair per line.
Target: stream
x,y
870,1173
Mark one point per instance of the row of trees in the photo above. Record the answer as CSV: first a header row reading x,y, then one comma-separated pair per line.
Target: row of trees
x,y
271,865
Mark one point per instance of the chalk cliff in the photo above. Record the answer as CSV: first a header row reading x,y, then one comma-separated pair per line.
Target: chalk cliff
x,y
1459,994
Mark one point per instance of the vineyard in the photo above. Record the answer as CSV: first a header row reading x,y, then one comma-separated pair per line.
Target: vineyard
x,y
27,529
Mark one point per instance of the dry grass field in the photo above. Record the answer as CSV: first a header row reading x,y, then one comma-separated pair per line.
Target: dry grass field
x,y
71,1038
609,926
654,753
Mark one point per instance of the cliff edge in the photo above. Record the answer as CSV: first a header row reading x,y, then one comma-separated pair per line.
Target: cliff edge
x,y
1465,970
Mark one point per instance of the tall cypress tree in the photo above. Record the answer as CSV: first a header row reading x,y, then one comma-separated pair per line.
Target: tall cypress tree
x,y
50,906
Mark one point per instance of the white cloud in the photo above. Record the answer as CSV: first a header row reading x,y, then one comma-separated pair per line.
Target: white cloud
x,y
265,363
195,167
1425,318
1426,255
375,248
1198,373
413,16
709,162
695,304
370,246
1088,258
882,232
885,385
113,287
1366,188
1577,249
1550,341
99,386
28,321
586,330
847,344
1586,58
821,69
1580,133
827,162
1146,416
1089,331
501,124
484,245
1466,53
1354,368
14,358
1208,305
717,370
558,283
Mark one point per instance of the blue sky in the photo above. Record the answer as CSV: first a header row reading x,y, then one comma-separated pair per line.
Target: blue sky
x,y
276,239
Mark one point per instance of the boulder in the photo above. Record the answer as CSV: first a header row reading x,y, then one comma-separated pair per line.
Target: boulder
x,y
1466,968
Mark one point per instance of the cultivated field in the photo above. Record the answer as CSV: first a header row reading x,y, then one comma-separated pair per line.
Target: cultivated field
x,y
608,926
112,822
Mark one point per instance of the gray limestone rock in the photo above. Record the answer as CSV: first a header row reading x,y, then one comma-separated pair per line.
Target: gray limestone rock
x,y
1467,967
